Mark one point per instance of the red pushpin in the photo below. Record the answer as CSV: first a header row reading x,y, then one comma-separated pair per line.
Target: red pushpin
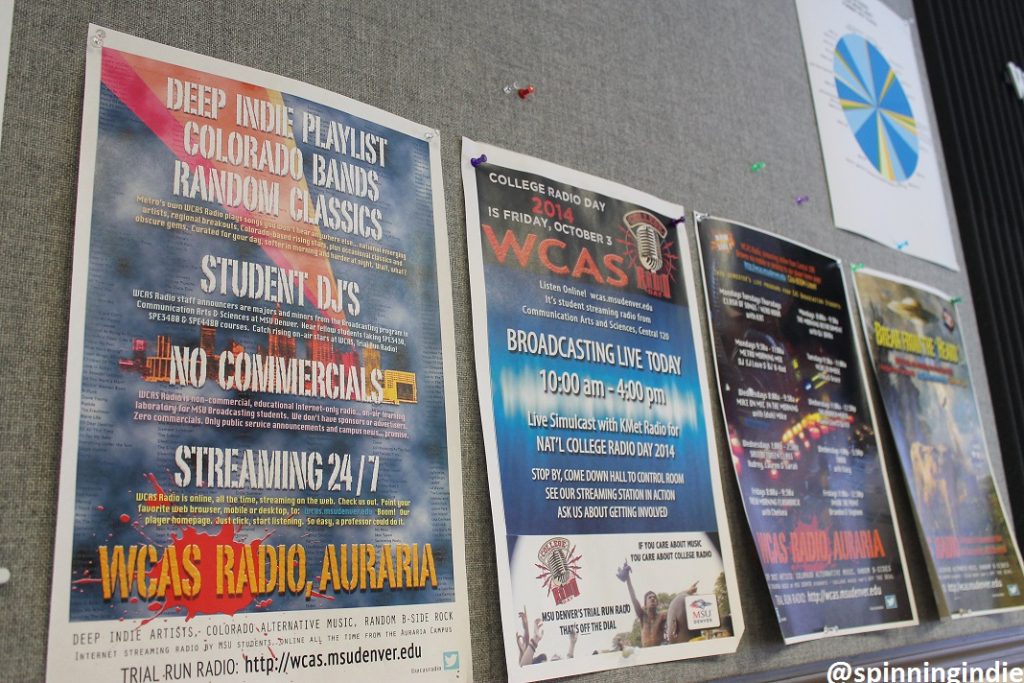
x,y
525,92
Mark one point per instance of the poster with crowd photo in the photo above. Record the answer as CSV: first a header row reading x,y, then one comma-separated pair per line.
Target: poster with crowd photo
x,y
802,434
913,334
612,545
259,478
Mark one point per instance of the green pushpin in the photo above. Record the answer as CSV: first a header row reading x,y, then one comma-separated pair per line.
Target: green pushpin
x,y
758,166
854,267
955,300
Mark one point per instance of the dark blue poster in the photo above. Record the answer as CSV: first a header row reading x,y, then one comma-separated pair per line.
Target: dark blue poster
x,y
802,434
602,470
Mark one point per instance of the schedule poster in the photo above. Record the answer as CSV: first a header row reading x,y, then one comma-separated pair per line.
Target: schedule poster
x,y
260,470
913,334
802,434
612,546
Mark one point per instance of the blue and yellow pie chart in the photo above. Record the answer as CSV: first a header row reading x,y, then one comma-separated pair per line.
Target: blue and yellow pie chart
x,y
876,107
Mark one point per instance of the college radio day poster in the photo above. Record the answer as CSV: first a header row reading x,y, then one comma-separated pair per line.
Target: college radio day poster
x,y
802,434
611,541
260,463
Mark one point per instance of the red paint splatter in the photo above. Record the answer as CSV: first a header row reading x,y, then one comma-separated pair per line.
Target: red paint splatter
x,y
124,518
134,82
207,601
263,604
314,594
80,581
161,495
138,528
133,600
155,607
100,507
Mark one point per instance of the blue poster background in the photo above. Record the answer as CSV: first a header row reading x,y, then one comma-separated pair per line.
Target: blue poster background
x,y
512,288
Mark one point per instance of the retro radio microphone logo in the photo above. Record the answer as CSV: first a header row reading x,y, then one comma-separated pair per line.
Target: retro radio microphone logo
x,y
651,253
560,567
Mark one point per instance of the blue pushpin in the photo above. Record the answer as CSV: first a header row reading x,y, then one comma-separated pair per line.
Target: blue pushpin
x,y
902,245
482,159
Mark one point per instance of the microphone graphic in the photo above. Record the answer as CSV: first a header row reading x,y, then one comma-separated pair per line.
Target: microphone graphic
x,y
558,566
648,232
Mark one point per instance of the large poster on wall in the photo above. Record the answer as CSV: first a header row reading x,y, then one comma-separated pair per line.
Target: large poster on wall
x,y
877,140
802,434
612,546
259,477
913,334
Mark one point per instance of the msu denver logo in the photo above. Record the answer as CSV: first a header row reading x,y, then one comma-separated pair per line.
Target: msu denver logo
x,y
702,612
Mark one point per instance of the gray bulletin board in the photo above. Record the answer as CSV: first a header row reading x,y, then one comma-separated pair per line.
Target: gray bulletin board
x,y
676,98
